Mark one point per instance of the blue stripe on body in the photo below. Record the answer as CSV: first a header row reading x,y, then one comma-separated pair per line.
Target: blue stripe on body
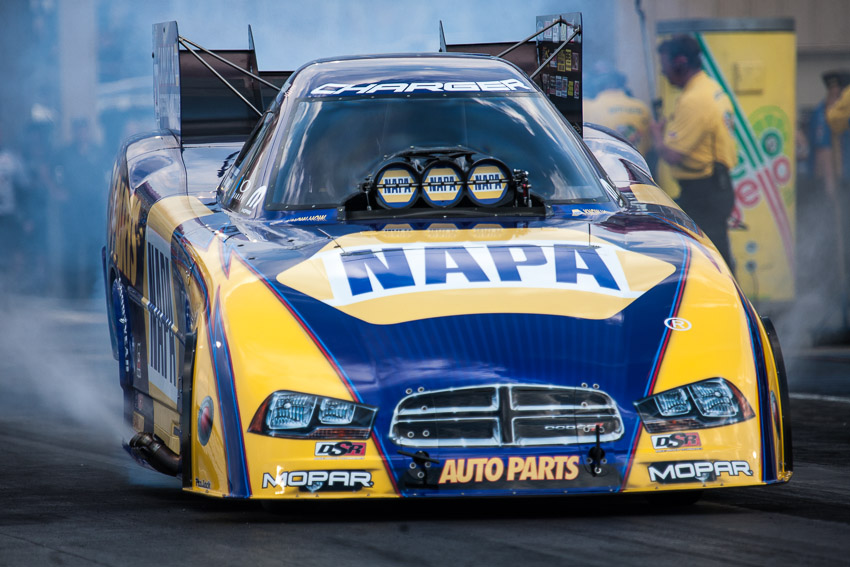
x,y
237,467
768,455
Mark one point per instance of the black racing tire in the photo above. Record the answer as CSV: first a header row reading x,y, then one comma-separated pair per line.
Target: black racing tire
x,y
784,396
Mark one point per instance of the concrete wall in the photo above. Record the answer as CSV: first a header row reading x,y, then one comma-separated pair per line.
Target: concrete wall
x,y
822,27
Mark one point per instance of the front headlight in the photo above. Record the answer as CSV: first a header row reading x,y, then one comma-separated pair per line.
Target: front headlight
x,y
295,415
708,403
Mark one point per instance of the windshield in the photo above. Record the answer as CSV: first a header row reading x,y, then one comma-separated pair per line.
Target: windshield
x,y
332,145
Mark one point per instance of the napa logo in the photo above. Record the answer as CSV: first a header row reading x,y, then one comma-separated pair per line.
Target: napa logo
x,y
387,282
366,273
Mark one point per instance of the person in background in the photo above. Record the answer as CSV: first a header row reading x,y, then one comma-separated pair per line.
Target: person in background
x,y
613,107
838,113
823,163
696,141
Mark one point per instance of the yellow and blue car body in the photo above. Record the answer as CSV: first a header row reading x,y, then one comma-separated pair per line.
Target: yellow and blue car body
x,y
541,346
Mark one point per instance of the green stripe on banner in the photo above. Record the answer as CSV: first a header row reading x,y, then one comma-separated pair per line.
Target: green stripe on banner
x,y
751,152
742,123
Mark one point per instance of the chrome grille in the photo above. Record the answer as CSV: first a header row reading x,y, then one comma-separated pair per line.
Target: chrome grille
x,y
505,416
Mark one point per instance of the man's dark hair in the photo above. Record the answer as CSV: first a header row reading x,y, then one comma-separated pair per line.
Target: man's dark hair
x,y
682,46
840,78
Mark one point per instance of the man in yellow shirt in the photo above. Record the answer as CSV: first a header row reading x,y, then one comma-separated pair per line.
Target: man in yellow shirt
x,y
838,118
838,114
613,108
696,141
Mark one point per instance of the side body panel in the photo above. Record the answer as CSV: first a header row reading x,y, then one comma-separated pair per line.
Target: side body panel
x,y
140,267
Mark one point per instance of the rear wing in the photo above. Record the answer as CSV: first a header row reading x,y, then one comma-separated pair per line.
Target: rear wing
x,y
551,56
201,94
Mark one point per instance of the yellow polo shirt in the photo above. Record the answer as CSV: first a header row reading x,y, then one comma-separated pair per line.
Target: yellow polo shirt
x,y
838,115
618,111
700,128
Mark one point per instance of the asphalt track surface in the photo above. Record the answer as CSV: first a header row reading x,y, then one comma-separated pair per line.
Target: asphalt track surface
x,y
69,495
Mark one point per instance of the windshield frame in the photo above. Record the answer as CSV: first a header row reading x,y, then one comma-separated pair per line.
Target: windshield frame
x,y
267,166
593,173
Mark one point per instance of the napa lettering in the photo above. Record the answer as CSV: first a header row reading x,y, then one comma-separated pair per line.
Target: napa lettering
x,y
366,273
162,349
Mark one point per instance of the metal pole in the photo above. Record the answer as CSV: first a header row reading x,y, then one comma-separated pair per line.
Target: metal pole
x,y
532,36
555,53
648,59
234,65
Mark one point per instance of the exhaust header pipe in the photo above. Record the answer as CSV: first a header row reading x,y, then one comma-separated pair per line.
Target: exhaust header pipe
x,y
152,451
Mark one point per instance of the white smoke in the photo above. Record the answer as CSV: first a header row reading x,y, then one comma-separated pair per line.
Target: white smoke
x,y
57,363
56,355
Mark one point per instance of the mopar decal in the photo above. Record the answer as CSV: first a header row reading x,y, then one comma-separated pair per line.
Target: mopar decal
x,y
345,89
454,272
696,471
314,481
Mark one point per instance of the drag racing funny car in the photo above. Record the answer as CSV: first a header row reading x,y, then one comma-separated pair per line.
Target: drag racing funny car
x,y
409,276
